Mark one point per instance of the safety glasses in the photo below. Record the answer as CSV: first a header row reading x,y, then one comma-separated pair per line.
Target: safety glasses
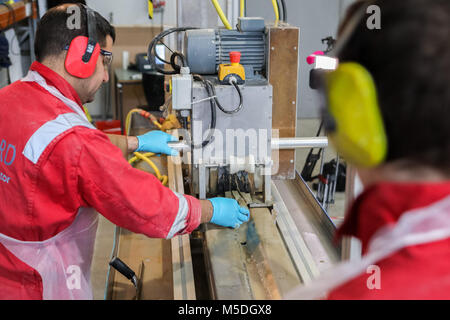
x,y
107,57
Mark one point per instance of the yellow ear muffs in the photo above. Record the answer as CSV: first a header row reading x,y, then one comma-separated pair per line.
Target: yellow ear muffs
x,y
358,134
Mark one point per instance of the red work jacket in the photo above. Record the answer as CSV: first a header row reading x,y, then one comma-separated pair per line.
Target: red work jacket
x,y
414,272
52,164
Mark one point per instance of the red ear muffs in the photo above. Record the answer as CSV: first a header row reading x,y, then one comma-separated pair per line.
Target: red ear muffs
x,y
75,55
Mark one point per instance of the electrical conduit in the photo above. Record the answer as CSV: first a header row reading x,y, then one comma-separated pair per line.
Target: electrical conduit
x,y
221,14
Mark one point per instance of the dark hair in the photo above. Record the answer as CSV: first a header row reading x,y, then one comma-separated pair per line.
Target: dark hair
x,y
55,3
53,34
409,59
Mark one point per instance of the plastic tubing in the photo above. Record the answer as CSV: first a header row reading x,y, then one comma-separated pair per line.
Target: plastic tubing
x,y
275,9
128,119
221,14
144,157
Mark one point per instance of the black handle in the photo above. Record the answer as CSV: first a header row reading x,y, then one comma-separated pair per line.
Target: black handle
x,y
120,266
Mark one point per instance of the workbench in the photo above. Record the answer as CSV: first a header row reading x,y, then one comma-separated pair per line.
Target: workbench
x,y
163,266
281,247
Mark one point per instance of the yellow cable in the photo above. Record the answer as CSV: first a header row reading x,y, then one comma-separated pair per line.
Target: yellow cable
x,y
136,110
150,9
128,119
139,156
221,14
145,157
157,124
242,9
277,14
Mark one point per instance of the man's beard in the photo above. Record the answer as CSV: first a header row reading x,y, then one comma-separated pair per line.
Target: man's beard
x,y
90,97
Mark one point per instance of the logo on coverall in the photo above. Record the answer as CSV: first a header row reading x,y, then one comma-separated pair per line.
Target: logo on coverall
x,y
7,157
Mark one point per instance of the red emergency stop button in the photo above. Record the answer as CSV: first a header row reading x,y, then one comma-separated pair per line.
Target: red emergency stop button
x,y
235,56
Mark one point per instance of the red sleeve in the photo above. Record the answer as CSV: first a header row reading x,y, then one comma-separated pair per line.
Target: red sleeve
x,y
128,197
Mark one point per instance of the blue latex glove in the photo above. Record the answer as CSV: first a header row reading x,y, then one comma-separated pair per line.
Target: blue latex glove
x,y
156,141
228,213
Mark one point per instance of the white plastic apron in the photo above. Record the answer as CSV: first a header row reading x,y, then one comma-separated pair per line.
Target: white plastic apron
x,y
415,227
63,261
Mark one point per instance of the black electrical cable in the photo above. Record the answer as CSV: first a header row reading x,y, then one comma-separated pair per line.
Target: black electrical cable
x,y
151,56
312,159
241,100
282,10
209,90
173,58
283,5
212,126
279,12
151,48
161,59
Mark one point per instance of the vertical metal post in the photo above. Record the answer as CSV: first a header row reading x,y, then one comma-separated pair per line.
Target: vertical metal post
x,y
325,196
319,189
179,24
31,39
335,177
119,104
107,102
267,185
202,181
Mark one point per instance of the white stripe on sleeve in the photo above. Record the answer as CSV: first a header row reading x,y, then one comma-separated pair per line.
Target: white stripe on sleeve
x,y
180,220
40,140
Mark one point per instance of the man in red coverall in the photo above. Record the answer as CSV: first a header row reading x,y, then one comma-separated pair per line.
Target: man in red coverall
x,y
403,215
57,171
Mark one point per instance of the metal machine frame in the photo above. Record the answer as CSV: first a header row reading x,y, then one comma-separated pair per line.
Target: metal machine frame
x,y
289,239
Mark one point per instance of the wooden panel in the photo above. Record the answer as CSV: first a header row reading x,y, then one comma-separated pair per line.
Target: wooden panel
x,y
283,76
167,264
6,18
134,39
251,262
137,250
155,254
183,273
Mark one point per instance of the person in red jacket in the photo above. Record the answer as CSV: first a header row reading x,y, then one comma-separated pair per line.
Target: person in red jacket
x,y
57,171
402,216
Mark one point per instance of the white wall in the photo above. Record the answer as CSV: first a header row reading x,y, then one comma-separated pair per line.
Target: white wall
x,y
134,12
